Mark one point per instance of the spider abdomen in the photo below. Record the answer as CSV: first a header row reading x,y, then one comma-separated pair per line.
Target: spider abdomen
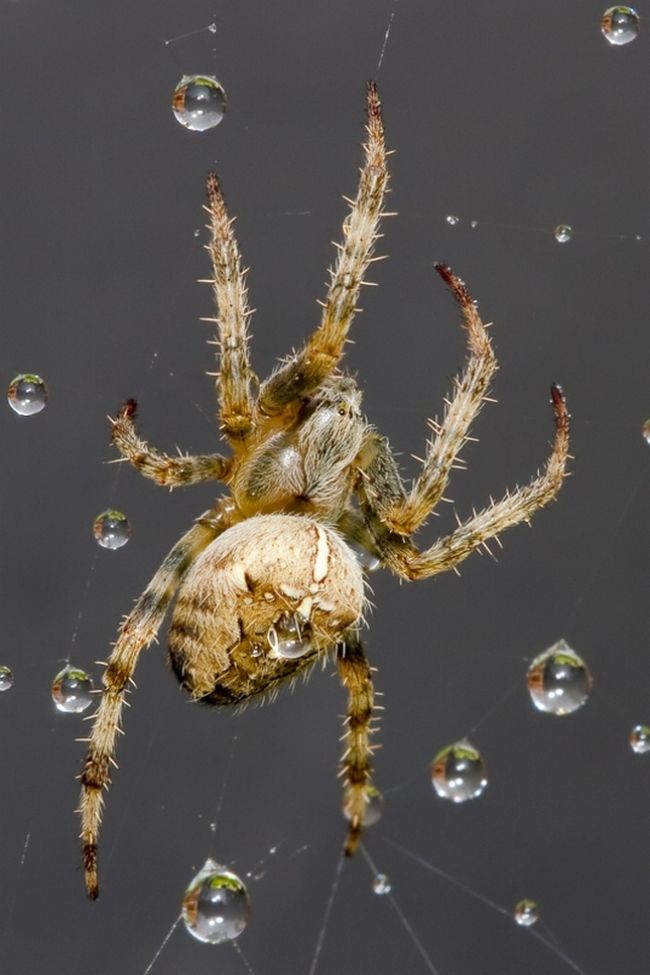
x,y
259,604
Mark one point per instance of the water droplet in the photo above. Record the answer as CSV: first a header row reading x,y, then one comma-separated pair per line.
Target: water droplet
x,y
639,739
458,772
366,559
374,806
620,25
558,680
216,907
526,913
289,638
452,220
473,224
563,233
197,232
6,677
111,529
212,28
645,431
27,394
381,884
199,102
71,690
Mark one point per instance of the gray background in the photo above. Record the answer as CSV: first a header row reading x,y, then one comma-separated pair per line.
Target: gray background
x,y
517,115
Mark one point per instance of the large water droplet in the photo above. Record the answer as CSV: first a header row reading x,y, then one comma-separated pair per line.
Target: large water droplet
x,y
620,25
563,233
558,680
72,690
6,678
111,529
216,907
526,913
640,739
27,394
381,884
458,772
199,102
289,638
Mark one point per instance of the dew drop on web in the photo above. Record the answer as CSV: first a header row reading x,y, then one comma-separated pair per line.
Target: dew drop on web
x,y
72,690
27,394
563,233
381,884
111,529
639,739
620,25
458,772
558,680
199,102
6,677
216,906
526,913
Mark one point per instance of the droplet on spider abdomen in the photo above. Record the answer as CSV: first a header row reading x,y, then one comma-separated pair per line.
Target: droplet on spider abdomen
x,y
526,913
72,690
289,638
111,529
6,678
199,102
558,680
639,739
458,772
27,394
374,806
563,233
620,25
381,884
216,906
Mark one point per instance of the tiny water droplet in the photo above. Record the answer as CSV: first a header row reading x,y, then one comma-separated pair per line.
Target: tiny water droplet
x,y
212,28
381,884
558,680
199,102
216,906
6,677
197,232
473,224
526,913
289,638
563,233
374,806
71,690
452,220
645,431
640,739
620,25
111,529
27,394
458,772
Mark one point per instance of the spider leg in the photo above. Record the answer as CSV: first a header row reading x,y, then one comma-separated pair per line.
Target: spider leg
x,y
402,557
355,673
138,630
470,387
228,282
305,371
167,471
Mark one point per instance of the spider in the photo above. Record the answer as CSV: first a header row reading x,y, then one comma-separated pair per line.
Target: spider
x,y
269,580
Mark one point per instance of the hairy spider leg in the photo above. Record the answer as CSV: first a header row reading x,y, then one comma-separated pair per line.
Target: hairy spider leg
x,y
137,632
170,472
233,381
301,374
469,393
401,556
356,763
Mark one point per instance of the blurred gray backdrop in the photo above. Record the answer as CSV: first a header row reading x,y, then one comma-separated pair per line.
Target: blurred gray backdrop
x,y
518,116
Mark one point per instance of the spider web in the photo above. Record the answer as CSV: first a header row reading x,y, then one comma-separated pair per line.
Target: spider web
x,y
517,120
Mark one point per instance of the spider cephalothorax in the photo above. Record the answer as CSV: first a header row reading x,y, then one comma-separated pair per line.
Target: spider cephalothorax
x,y
267,580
